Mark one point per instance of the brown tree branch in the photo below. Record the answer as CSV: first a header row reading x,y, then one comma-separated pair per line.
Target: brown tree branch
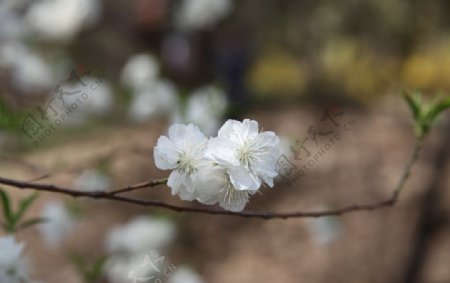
x,y
115,195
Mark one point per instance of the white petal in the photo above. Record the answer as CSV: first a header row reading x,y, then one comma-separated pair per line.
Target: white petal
x,y
268,180
229,128
222,151
194,134
177,131
234,200
165,154
269,136
179,184
242,179
175,182
267,168
209,182
184,136
186,195
249,128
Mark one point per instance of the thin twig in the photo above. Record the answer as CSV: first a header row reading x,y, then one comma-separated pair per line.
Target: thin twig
x,y
45,176
415,155
114,195
147,184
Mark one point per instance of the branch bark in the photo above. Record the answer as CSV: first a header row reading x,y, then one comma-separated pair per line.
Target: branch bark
x,y
115,195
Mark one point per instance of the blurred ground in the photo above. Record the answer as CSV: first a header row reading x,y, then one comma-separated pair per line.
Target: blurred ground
x,y
362,167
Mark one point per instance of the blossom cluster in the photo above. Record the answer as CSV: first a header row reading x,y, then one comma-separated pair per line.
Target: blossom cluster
x,y
226,169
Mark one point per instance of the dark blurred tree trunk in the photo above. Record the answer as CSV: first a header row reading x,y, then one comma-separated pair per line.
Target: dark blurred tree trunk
x,y
430,218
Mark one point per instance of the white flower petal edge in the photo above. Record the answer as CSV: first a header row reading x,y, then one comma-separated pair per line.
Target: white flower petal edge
x,y
182,152
249,156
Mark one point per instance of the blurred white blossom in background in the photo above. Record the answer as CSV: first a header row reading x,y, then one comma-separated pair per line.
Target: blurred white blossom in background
x,y
58,223
13,267
155,99
205,108
141,234
11,25
31,72
139,70
201,14
92,180
325,230
152,96
23,24
185,274
130,244
61,20
89,98
129,267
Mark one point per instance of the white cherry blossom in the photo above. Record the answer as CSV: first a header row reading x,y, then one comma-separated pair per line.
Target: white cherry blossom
x,y
249,155
226,170
183,152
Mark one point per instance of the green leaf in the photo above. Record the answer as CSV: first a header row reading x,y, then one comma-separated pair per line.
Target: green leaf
x,y
31,222
24,205
11,218
90,271
9,119
4,198
94,274
413,103
78,261
437,109
425,113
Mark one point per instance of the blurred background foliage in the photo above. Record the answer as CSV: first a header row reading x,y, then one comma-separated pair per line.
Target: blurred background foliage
x,y
256,51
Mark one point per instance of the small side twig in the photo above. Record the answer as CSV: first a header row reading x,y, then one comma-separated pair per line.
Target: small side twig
x,y
407,172
143,185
